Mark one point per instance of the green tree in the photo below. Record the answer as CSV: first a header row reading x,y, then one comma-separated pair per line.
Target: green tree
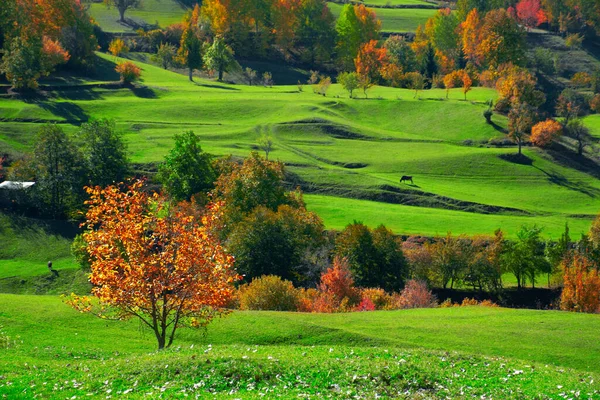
x,y
187,170
22,63
556,252
316,32
190,47
349,81
122,6
521,119
375,257
256,182
219,57
104,152
450,257
59,175
165,55
355,25
268,242
400,53
525,257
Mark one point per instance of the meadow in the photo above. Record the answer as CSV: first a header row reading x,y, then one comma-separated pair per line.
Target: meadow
x,y
394,19
49,350
346,154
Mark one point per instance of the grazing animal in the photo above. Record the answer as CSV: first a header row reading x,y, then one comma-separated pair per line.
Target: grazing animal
x,y
52,270
406,178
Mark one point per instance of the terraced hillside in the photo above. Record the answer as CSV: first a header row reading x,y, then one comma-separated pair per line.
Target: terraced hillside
x,y
337,148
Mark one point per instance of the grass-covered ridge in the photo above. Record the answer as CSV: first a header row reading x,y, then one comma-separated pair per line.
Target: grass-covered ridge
x,y
337,147
393,354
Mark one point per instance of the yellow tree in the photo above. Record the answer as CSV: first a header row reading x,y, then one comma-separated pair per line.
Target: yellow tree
x,y
154,261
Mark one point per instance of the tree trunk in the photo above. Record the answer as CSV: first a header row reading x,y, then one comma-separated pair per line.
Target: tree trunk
x,y
220,75
580,147
191,71
520,144
122,14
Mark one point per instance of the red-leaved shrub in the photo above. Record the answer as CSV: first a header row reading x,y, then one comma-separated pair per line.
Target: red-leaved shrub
x,y
415,295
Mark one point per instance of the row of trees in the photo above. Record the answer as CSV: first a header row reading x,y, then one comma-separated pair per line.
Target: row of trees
x,y
38,35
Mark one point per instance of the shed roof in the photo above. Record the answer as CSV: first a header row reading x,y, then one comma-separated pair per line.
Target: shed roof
x,y
15,185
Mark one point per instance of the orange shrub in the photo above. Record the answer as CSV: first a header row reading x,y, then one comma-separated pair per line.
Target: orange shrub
x,y
582,79
545,132
338,281
380,299
469,302
365,305
581,292
269,292
129,71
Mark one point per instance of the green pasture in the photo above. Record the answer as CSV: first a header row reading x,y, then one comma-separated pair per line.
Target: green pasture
x,y
395,19
339,147
49,350
392,3
151,12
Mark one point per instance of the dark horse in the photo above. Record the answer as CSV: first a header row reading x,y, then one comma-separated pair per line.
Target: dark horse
x,y
406,178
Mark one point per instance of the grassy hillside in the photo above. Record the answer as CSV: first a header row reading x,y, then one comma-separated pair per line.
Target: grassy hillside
x,y
506,354
339,147
394,19
160,13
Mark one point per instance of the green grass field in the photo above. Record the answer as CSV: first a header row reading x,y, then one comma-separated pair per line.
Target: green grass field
x,y
152,12
395,19
49,350
388,3
338,148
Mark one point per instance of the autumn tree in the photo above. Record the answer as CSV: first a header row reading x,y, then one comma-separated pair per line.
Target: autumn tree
x,y
219,57
530,13
117,47
467,83
502,40
517,85
355,26
416,82
190,48
581,290
545,132
154,262
104,152
452,80
165,55
449,259
128,71
369,60
349,81
187,170
470,37
122,6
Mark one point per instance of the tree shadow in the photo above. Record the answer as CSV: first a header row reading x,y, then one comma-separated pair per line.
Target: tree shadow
x,y
497,127
143,92
561,180
561,155
71,112
76,94
517,158
212,86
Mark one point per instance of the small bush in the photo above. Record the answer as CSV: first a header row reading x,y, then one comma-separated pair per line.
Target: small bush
x,y
469,302
129,71
269,292
595,104
380,299
365,305
415,295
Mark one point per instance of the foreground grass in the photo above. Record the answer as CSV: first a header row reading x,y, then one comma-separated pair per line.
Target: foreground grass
x,y
460,352
52,351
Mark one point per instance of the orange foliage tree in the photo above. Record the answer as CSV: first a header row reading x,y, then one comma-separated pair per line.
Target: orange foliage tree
x,y
545,132
470,31
336,290
370,60
581,290
153,261
129,71
452,80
